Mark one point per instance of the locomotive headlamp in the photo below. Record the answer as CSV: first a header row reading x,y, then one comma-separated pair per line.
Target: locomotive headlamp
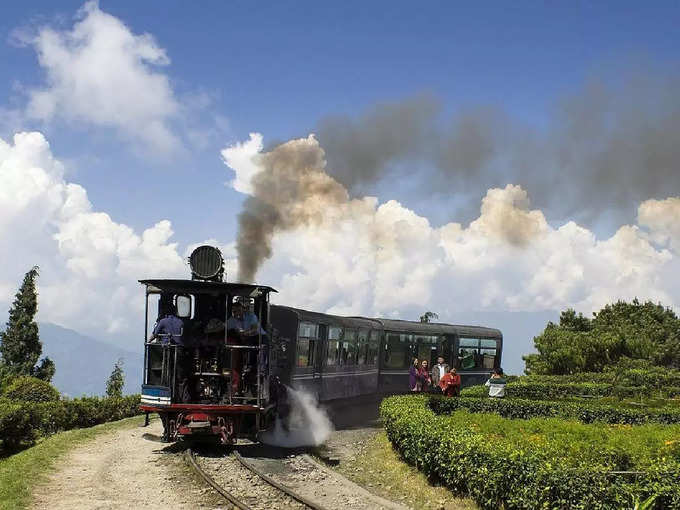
x,y
206,263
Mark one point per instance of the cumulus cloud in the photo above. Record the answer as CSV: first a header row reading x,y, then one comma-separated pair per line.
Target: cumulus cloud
x,y
90,263
241,157
100,73
363,256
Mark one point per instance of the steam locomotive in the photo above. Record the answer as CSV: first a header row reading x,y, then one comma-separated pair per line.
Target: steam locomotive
x,y
214,379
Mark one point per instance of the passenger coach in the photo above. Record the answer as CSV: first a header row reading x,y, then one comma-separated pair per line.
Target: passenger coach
x,y
339,357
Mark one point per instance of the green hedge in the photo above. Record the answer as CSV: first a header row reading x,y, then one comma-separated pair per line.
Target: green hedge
x,y
31,389
651,377
585,412
553,390
25,421
537,463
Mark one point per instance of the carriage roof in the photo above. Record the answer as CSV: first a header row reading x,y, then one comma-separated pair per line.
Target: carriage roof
x,y
424,328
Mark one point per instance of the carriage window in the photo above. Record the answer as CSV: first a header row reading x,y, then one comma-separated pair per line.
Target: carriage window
x,y
488,353
397,349
183,306
363,347
469,356
427,348
334,335
373,344
349,348
306,344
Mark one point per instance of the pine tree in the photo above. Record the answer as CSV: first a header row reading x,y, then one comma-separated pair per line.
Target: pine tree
x,y
20,345
114,386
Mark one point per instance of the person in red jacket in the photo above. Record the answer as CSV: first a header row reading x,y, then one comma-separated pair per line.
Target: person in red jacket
x,y
450,383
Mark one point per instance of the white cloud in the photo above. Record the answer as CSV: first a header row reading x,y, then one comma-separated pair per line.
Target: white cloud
x,y
363,257
103,74
89,263
662,217
242,159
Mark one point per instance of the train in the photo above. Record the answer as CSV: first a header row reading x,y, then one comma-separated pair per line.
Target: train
x,y
210,377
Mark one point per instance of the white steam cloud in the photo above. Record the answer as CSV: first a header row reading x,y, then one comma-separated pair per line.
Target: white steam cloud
x,y
308,424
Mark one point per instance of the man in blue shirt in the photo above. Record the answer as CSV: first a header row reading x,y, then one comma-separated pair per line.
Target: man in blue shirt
x,y
247,326
245,322
169,328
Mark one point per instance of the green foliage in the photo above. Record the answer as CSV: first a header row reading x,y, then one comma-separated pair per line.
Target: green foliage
x,y
626,372
20,345
539,462
116,381
22,423
526,388
428,316
585,412
30,389
641,331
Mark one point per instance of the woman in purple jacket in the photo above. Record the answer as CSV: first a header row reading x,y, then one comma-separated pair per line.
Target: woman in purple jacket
x,y
413,380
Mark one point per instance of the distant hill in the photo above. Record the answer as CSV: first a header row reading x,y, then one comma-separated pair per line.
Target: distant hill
x,y
84,364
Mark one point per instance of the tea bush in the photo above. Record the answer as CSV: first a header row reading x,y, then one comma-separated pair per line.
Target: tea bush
x,y
556,390
23,422
31,389
539,462
585,412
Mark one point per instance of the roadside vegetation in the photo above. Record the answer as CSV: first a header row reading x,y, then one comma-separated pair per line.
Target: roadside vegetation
x,y
21,472
595,423
377,467
537,462
30,407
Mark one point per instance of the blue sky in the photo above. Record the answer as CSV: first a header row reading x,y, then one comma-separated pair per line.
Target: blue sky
x,y
277,68
281,68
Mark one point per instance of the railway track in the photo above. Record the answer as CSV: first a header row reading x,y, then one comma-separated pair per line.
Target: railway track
x,y
246,486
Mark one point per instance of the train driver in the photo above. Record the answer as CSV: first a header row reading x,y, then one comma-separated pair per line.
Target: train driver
x,y
244,321
169,328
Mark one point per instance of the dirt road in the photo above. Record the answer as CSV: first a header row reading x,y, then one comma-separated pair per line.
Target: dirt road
x,y
122,470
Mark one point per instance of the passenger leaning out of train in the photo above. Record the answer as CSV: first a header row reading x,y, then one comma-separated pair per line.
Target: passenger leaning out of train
x,y
450,383
496,384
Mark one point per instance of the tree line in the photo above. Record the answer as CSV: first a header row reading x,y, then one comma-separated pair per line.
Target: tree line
x,y
21,348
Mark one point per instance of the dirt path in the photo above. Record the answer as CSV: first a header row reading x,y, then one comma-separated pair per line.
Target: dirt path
x,y
122,470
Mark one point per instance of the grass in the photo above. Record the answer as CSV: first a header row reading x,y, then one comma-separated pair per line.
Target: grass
x,y
380,470
19,473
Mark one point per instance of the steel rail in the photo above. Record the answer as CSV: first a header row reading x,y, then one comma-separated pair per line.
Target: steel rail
x,y
290,492
224,493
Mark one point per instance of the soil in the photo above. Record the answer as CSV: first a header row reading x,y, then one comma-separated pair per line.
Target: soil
x,y
126,469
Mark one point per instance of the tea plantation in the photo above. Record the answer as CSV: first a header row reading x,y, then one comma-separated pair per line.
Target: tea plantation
x,y
552,442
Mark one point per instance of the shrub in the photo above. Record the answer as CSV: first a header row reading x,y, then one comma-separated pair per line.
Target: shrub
x,y
23,422
626,373
31,389
585,412
526,388
536,463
